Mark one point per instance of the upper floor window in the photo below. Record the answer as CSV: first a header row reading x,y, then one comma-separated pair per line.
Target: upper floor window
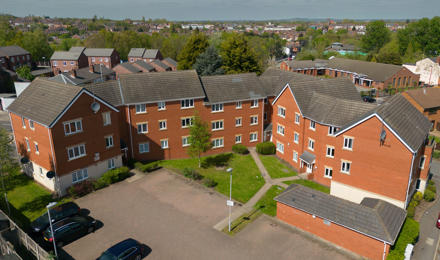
x,y
345,167
28,145
161,106
422,162
280,129
187,103
187,122
217,108
76,151
295,137
37,149
311,144
106,59
332,130
55,63
297,117
217,125
238,105
238,121
72,127
23,122
106,118
254,120
282,112
142,128
312,125
348,143
295,156
162,124
266,101
31,124
109,141
141,108
65,63
93,59
164,143
72,63
254,103
330,151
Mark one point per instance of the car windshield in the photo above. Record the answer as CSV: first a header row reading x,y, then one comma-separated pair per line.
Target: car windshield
x,y
107,256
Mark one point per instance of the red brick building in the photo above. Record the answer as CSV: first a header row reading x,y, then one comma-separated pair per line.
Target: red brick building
x,y
65,61
147,55
108,57
13,57
427,101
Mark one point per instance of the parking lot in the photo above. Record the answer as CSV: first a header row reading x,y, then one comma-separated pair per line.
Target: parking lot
x,y
175,218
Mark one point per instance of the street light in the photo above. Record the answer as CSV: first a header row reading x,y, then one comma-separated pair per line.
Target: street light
x,y
50,205
229,202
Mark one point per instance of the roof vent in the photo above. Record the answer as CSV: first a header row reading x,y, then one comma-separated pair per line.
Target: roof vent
x,y
95,107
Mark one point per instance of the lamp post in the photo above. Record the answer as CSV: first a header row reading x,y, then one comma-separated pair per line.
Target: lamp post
x,y
50,205
230,203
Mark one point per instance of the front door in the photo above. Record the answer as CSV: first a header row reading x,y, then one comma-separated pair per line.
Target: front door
x,y
309,167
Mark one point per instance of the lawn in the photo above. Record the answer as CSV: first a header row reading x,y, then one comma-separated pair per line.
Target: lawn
x,y
266,204
275,167
310,184
246,178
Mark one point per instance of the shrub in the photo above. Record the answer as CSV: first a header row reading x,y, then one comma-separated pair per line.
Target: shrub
x,y
218,160
266,148
429,195
239,148
432,188
99,184
192,174
131,163
418,196
115,175
408,235
210,183
147,167
411,210
81,189
436,154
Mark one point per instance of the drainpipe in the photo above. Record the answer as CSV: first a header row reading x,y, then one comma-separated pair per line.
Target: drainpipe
x,y
410,177
129,127
384,251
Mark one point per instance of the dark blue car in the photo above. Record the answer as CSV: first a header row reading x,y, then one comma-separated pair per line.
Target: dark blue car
x,y
128,249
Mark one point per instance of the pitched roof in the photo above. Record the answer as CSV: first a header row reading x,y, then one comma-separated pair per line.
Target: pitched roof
x,y
109,90
402,117
307,157
99,52
303,64
170,62
129,67
426,97
161,86
136,52
77,49
12,50
65,55
150,53
233,87
375,218
144,65
161,64
83,75
43,100
274,80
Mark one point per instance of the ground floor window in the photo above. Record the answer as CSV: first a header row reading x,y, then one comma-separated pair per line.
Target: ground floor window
x,y
328,172
253,137
238,139
144,147
111,163
79,175
216,143
164,143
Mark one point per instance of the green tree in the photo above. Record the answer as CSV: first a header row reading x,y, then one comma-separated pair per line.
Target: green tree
x,y
237,55
199,138
209,63
195,45
36,43
390,53
376,36
24,72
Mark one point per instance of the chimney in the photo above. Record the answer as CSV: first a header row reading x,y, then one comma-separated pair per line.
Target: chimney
x,y
91,69
73,73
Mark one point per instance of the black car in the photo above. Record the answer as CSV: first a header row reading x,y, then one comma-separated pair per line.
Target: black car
x,y
69,229
129,249
369,99
56,213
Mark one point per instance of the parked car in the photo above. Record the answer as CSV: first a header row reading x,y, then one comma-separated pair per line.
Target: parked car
x,y
438,221
56,214
369,99
69,229
129,249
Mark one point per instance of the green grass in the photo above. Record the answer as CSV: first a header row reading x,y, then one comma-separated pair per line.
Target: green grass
x,y
246,178
275,167
266,204
310,184
241,222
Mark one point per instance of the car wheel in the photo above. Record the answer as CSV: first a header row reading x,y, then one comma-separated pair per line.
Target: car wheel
x,y
60,243
138,257
90,230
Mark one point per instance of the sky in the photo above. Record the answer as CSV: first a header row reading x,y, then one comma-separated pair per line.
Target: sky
x,y
193,10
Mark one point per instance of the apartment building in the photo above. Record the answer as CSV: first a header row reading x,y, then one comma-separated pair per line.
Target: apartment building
x,y
13,57
427,101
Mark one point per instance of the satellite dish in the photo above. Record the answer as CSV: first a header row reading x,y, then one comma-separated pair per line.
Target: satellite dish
x,y
95,106
50,174
24,160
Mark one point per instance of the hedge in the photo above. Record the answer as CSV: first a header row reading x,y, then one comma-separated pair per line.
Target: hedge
x,y
429,195
408,235
266,148
81,189
239,148
149,167
115,175
192,174
219,160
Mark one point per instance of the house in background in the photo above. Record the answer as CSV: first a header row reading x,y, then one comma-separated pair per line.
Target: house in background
x,y
108,57
427,101
147,55
65,61
92,74
13,57
428,69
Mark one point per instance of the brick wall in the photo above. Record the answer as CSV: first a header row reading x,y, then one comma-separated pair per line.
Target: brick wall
x,y
403,78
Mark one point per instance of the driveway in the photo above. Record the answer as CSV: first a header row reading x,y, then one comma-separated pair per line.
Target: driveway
x,y
175,218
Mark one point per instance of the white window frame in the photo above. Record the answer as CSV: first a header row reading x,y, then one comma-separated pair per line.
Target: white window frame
x,y
295,156
111,163
253,137
312,146
163,124
328,172
141,108
31,125
185,123
330,149
281,112
348,143
280,147
345,166
185,141
164,143
238,139
142,130
254,103
109,141
254,120
37,149
217,142
186,103
28,145
68,129
217,125
215,108
106,118
296,137
161,106
23,122
312,125
332,130
79,155
80,175
297,118
142,146
422,162
238,105
280,129
239,120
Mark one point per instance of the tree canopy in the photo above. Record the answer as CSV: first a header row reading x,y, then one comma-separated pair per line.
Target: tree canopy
x,y
195,45
376,36
199,138
209,63
237,55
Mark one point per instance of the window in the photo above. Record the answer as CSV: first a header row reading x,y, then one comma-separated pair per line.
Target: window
x,y
72,63
23,122
162,124
328,172
111,163
185,141
254,103
280,130
141,108
265,116
311,144
295,137
76,151
238,139
297,117
144,147
142,128
79,175
65,63
422,162
266,101
218,142
93,59
254,120
41,171
28,146
100,59
398,82
131,59
187,122
348,143
106,118
217,108
109,141
282,112
394,82
31,124
55,63
217,125
238,105
12,59
164,143
295,156
330,151
253,137
37,149
312,125
72,127
238,121
106,59
280,147
161,106
332,130
187,103
345,167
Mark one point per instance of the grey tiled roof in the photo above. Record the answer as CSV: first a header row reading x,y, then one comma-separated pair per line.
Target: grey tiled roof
x,y
303,64
136,52
129,67
43,100
233,87
77,49
150,53
83,75
170,61
144,65
373,217
408,123
12,50
307,157
108,91
99,52
65,55
161,86
161,64
274,80
426,97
